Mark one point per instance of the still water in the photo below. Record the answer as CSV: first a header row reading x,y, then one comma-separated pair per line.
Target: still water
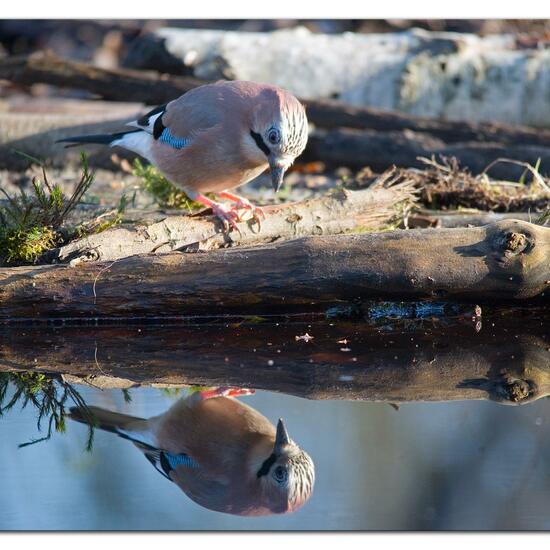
x,y
461,465
402,438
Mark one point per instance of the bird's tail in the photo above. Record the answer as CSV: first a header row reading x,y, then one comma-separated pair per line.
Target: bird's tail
x,y
129,427
101,139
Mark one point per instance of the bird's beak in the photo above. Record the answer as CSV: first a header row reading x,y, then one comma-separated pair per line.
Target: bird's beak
x,y
281,438
277,173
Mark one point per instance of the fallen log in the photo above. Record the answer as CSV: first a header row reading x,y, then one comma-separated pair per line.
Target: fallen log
x,y
111,84
378,150
506,261
434,363
378,207
155,88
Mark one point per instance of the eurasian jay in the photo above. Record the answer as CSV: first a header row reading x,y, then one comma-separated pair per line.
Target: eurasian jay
x,y
221,453
217,137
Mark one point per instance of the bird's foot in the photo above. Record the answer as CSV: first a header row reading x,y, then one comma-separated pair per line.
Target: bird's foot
x,y
257,213
228,216
241,203
225,391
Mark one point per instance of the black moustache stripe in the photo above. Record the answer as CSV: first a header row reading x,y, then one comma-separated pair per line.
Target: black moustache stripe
x,y
260,143
266,466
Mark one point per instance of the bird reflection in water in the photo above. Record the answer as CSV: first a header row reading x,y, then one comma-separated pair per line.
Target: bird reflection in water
x,y
221,453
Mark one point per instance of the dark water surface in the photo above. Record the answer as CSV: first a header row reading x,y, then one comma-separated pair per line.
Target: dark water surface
x,y
414,436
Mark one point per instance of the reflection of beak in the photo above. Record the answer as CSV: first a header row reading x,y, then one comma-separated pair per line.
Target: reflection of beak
x,y
281,438
277,174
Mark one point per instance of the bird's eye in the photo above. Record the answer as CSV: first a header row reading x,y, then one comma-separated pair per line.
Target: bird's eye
x,y
280,474
274,136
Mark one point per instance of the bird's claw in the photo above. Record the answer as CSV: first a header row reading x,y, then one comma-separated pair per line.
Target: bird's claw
x,y
257,213
228,216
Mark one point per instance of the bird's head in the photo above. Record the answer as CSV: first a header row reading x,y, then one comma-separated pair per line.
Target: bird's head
x,y
287,475
279,131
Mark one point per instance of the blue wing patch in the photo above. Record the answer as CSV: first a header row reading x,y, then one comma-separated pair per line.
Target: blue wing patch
x,y
165,462
180,460
175,142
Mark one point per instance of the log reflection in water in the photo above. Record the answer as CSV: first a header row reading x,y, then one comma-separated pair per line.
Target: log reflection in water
x,y
508,361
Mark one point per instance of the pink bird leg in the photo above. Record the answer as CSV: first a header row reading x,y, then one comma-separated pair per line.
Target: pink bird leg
x,y
242,202
228,216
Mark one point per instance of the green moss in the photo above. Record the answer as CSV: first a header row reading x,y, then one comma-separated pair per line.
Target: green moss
x,y
165,193
25,245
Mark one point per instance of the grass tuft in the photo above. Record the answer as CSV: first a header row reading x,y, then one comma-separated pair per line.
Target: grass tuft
x,y
30,224
49,395
165,193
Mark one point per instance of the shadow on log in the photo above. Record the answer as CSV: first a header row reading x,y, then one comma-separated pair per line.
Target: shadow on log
x,y
505,261
428,361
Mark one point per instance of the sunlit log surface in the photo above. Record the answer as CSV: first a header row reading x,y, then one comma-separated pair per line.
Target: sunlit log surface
x,y
504,357
375,208
505,261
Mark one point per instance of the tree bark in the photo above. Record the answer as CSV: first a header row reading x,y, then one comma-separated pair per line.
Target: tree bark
x,y
372,209
436,362
506,261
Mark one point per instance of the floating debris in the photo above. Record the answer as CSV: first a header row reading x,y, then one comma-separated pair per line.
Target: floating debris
x,y
305,337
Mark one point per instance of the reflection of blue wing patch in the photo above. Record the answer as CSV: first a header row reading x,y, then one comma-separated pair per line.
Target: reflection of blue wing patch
x,y
180,460
175,142
165,462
